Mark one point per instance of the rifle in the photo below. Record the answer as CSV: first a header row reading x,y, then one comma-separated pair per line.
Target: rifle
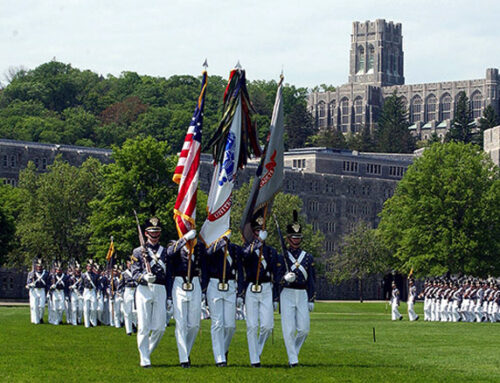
x,y
143,244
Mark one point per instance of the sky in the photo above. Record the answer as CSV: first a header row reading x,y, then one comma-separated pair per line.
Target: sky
x,y
309,39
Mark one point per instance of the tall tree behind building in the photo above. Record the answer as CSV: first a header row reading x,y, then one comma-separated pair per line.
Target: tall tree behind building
x,y
462,123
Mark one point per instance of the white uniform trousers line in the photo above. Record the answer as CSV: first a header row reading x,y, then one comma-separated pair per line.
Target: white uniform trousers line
x,y
395,315
187,315
455,314
57,306
37,304
89,307
295,321
222,305
151,316
76,308
117,311
129,314
412,315
259,308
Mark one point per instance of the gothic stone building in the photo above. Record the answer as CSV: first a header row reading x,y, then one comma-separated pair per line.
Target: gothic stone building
x,y
337,187
376,72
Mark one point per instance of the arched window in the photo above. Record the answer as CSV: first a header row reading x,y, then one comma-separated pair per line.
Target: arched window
x,y
360,60
358,114
344,114
392,63
371,54
430,108
416,109
477,104
322,114
445,107
404,102
331,110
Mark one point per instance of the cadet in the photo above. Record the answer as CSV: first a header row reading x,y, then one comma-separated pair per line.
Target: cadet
x,y
219,283
129,313
103,315
186,292
58,283
76,298
395,303
150,272
89,280
297,277
37,284
412,315
116,297
259,262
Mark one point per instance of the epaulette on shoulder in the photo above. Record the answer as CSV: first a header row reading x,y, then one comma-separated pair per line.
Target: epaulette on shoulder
x,y
133,259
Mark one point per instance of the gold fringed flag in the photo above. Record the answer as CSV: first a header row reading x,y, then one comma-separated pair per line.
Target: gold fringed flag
x,y
111,250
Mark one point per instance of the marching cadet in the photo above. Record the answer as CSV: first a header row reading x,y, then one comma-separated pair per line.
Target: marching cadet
x,y
103,314
150,272
116,287
297,277
219,282
89,281
129,313
37,284
259,263
185,290
412,315
395,303
76,295
58,286
457,302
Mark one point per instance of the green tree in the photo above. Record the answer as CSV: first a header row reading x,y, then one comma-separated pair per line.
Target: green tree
x,y
445,213
331,138
10,202
53,218
393,135
283,206
140,179
361,254
462,123
487,121
362,141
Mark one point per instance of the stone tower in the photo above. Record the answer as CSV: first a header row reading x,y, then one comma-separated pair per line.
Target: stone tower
x,y
376,53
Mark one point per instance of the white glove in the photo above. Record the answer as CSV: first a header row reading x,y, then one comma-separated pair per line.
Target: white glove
x,y
275,306
290,277
190,235
150,278
170,306
262,235
53,287
31,285
311,306
239,302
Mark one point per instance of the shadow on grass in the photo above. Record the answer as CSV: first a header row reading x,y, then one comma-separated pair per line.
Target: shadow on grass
x,y
286,367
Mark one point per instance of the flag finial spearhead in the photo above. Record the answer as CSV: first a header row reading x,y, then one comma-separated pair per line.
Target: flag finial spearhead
x,y
205,64
238,65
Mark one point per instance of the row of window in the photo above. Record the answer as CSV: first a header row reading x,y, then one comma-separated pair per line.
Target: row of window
x,y
13,162
10,181
353,166
396,171
299,164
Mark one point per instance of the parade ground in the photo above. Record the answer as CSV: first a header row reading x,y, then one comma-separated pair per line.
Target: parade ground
x,y
340,347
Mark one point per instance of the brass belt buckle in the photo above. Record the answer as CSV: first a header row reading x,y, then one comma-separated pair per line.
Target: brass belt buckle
x,y
222,286
187,286
256,289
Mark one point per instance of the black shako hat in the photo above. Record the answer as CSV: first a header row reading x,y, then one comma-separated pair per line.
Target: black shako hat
x,y
294,229
152,224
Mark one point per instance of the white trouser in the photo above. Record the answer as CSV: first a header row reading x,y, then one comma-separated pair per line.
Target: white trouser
x,y
117,310
496,312
57,306
412,315
478,311
187,315
100,306
129,314
76,308
222,306
427,309
151,303
443,310
455,314
295,321
37,304
395,315
50,307
259,308
464,310
89,307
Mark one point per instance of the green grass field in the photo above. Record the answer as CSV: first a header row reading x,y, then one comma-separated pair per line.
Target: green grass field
x,y
340,347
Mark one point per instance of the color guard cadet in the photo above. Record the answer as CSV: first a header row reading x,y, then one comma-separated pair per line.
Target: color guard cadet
x,y
259,263
220,284
58,283
116,288
395,303
187,267
90,281
297,277
37,284
76,295
129,313
412,296
103,315
149,270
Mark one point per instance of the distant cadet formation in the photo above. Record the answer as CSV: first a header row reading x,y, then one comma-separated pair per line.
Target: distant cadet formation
x,y
176,281
459,300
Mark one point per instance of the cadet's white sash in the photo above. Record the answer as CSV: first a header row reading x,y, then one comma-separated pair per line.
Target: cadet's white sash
x,y
296,263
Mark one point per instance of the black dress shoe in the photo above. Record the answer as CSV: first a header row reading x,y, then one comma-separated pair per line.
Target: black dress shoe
x,y
417,317
401,317
221,364
292,365
129,333
227,352
185,365
256,365
147,366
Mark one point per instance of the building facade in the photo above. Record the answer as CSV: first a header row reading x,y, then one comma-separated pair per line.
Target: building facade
x,y
376,71
491,143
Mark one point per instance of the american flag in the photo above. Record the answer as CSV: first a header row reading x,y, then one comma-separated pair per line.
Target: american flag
x,y
186,173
